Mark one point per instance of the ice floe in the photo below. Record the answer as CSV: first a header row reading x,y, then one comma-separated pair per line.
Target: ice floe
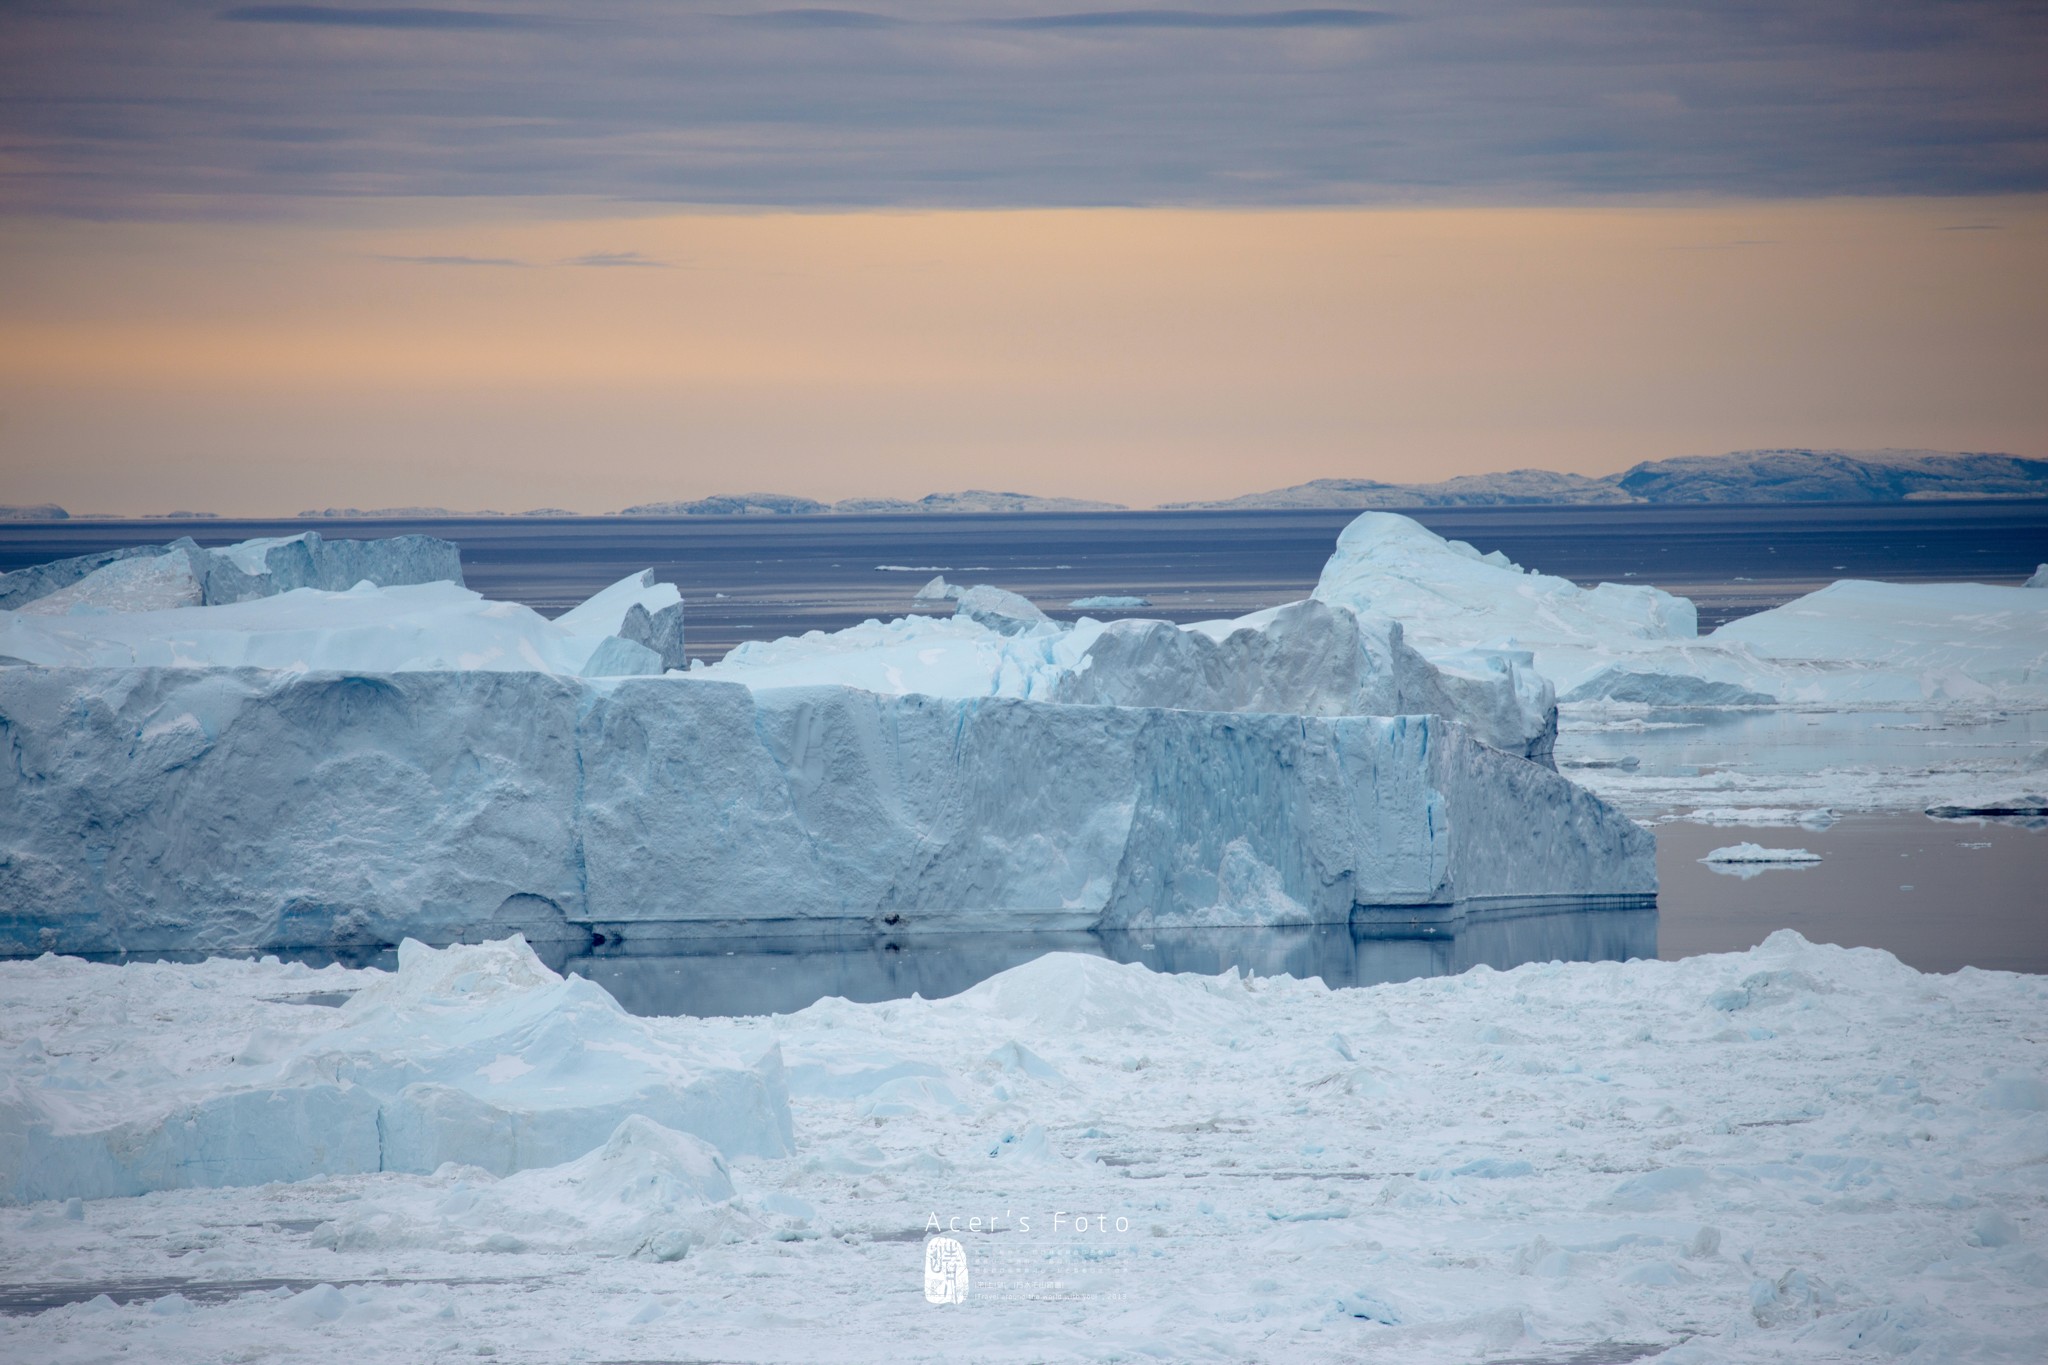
x,y
1796,1153
478,1055
432,626
1756,853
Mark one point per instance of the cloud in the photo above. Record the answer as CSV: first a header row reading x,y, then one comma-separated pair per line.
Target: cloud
x,y
1202,19
612,259
398,17
818,19
454,260
116,108
1154,19
599,259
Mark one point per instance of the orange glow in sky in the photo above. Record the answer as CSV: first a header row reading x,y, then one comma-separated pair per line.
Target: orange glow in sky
x,y
522,357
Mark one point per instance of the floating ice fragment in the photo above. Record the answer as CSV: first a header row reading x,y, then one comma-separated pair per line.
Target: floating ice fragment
x,y
1757,853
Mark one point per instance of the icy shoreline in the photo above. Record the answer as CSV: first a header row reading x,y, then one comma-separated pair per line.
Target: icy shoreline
x,y
1794,1153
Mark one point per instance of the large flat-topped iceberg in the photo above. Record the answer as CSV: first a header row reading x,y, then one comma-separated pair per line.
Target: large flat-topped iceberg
x,y
1852,642
1961,639
432,625
224,810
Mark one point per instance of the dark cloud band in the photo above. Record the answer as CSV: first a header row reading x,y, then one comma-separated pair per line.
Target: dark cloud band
x,y
1198,20
403,17
1085,20
111,108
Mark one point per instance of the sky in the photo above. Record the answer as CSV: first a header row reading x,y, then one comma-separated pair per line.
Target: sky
x,y
255,258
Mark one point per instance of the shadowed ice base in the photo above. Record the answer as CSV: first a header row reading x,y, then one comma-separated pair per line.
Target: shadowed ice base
x,y
732,976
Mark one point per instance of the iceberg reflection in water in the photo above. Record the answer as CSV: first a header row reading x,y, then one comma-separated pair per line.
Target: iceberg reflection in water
x,y
761,976
734,975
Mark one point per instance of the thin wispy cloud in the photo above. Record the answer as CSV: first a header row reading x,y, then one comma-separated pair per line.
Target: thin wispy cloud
x,y
1083,20
609,260
456,261
1198,20
412,17
818,19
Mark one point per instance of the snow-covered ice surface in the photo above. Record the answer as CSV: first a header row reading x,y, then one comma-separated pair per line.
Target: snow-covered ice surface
x,y
1818,818
476,1054
1451,599
1748,859
183,574
1302,658
1795,1153
937,656
141,583
1747,852
410,628
1758,854
1850,643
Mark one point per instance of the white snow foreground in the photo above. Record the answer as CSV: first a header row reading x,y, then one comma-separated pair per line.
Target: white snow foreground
x,y
1304,658
1852,642
369,629
475,1055
1797,1153
225,810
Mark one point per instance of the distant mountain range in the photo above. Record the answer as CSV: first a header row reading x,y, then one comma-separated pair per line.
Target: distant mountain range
x,y
416,513
1743,476
1517,486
